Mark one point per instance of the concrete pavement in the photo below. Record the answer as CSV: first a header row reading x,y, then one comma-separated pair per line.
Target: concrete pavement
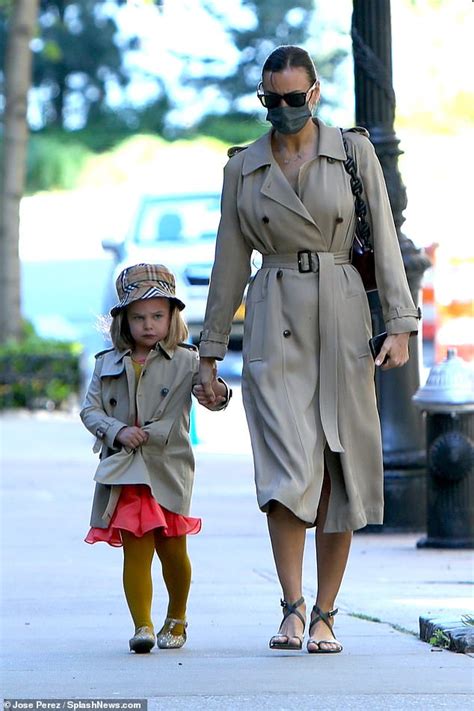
x,y
66,625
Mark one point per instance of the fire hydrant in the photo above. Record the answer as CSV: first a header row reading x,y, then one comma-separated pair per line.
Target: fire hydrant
x,y
447,399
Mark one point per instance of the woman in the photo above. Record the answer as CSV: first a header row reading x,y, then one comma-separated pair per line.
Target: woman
x,y
308,376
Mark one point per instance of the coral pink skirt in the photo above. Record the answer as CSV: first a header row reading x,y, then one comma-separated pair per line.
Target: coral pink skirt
x,y
138,512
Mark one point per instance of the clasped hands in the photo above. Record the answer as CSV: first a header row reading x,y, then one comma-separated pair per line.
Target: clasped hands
x,y
210,392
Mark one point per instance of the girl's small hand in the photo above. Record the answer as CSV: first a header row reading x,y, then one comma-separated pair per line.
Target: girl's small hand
x,y
207,375
395,349
203,398
132,437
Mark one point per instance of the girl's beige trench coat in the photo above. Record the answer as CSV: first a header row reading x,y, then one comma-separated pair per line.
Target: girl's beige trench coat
x,y
162,405
308,376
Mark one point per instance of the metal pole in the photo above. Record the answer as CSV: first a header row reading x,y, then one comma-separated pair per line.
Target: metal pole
x,y
402,430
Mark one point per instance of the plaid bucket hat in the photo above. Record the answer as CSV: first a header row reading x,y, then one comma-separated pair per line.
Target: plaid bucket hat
x,y
145,281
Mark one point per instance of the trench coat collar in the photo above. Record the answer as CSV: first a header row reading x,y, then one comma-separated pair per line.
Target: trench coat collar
x,y
259,153
167,352
330,142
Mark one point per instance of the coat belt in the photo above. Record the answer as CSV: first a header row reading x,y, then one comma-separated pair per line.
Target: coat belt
x,y
305,262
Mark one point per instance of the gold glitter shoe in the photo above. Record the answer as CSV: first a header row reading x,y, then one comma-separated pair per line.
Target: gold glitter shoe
x,y
165,638
143,640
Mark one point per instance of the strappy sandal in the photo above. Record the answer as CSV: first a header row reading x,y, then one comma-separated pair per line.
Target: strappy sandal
x,y
316,615
289,609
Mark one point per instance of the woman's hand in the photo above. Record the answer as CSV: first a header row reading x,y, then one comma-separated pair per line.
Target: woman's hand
x,y
395,349
202,398
132,437
207,376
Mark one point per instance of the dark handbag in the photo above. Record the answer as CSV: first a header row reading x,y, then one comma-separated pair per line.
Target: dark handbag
x,y
362,256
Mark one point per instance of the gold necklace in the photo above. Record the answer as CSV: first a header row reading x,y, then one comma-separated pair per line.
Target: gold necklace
x,y
292,159
299,155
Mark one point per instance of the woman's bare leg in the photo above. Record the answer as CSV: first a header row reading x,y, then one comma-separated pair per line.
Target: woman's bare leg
x,y
287,535
332,552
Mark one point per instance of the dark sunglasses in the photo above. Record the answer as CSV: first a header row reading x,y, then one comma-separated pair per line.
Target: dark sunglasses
x,y
270,100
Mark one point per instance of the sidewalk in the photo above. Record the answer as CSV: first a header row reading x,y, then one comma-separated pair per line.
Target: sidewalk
x,y
66,625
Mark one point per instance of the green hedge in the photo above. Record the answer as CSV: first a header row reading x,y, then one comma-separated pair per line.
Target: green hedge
x,y
54,162
233,129
56,158
38,373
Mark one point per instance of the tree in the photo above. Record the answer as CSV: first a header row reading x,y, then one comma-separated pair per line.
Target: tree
x,y
75,56
17,78
275,22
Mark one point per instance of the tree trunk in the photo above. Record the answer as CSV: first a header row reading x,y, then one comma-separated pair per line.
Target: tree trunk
x,y
61,74
17,82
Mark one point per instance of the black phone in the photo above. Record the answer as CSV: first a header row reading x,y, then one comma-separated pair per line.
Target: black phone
x,y
376,343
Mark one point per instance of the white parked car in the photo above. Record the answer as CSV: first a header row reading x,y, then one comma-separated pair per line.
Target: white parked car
x,y
180,232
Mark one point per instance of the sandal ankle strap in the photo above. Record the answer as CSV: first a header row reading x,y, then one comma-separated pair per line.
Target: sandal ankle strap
x,y
172,621
290,609
317,614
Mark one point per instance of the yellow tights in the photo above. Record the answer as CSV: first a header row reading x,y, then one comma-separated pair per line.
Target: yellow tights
x,y
137,580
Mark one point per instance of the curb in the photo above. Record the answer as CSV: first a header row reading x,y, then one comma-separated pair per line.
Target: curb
x,y
458,636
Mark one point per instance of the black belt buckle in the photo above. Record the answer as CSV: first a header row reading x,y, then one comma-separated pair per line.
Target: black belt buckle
x,y
305,261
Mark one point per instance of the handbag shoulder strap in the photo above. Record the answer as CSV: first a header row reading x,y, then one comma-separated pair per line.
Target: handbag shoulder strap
x,y
362,227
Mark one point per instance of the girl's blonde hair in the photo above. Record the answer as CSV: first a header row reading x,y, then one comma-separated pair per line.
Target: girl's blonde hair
x,y
122,338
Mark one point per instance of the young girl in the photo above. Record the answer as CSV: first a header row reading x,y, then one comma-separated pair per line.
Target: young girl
x,y
138,406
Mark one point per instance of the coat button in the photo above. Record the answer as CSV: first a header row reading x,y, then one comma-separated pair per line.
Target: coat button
x,y
279,273
164,391
331,160
112,401
339,220
265,220
287,333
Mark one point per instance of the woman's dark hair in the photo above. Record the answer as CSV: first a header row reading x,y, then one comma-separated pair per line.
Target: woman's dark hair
x,y
288,56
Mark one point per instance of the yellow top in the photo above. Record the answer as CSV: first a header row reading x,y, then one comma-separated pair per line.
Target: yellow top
x,y
137,367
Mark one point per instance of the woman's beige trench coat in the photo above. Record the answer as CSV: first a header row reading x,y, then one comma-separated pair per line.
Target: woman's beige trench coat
x,y
308,376
162,405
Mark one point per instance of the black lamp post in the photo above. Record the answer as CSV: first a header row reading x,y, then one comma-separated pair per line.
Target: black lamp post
x,y
402,429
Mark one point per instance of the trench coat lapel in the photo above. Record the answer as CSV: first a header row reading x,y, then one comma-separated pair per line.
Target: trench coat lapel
x,y
275,186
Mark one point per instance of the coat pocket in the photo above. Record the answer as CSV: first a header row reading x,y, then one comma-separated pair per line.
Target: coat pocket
x,y
255,332
159,432
356,326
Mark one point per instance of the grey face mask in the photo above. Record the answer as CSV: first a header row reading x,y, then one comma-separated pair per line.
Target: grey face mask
x,y
289,119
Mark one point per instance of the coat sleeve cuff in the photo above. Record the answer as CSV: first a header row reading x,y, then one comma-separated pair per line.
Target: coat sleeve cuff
x,y
401,312
208,335
212,349
403,320
406,324
109,431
